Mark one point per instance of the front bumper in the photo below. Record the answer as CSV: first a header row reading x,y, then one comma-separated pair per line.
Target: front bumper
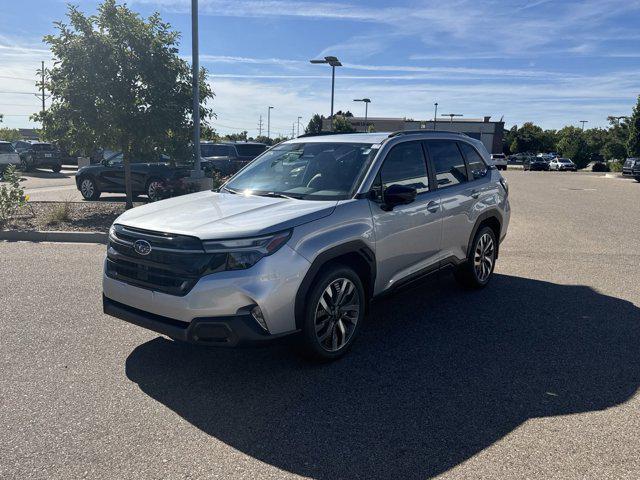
x,y
229,331
271,284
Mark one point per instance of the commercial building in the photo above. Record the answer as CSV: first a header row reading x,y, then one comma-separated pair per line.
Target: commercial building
x,y
490,133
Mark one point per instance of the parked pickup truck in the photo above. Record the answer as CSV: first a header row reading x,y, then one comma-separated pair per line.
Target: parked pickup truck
x,y
228,158
157,180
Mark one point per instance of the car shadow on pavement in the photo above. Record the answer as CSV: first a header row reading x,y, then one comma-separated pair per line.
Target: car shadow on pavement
x,y
437,375
44,174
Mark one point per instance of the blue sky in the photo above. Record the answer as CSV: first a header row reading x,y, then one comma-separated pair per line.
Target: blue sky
x,y
550,62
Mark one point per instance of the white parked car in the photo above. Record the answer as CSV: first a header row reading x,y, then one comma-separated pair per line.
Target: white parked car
x,y
562,165
499,160
8,156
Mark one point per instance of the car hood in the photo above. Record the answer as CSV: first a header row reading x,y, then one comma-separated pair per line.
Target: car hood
x,y
210,215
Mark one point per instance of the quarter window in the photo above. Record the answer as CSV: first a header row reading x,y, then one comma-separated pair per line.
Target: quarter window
x,y
405,165
449,165
477,167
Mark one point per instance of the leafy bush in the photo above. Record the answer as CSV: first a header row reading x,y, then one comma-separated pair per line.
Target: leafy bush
x,y
12,195
615,166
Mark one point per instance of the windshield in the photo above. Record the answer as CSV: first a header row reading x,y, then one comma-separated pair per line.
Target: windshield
x,y
564,160
313,171
250,150
6,148
42,147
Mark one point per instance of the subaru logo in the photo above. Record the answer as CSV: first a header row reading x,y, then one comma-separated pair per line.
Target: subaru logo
x,y
142,247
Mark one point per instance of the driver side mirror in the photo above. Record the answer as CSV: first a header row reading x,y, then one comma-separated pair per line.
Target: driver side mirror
x,y
398,195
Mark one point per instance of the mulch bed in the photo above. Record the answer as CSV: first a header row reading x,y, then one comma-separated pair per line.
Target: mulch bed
x,y
83,216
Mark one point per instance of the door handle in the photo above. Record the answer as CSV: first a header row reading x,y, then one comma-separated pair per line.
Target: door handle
x,y
475,193
433,207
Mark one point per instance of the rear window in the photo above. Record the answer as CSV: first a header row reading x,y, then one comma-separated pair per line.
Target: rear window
x,y
250,150
6,148
42,147
215,150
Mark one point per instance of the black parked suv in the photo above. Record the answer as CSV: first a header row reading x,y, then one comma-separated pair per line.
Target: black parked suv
x,y
228,158
535,163
631,168
157,180
38,154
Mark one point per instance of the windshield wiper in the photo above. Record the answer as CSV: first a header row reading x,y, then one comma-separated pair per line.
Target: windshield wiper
x,y
277,195
230,190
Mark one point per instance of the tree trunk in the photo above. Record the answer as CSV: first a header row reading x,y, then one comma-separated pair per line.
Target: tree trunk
x,y
127,177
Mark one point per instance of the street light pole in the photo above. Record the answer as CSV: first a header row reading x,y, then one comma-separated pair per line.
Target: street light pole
x,y
435,116
583,122
366,101
197,170
334,62
269,122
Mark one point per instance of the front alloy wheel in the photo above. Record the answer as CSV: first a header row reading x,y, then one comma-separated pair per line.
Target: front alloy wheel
x,y
334,313
155,190
478,269
89,189
337,314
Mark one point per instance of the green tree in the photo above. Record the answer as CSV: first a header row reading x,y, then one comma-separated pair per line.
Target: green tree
x,y
315,124
596,139
10,134
614,149
633,142
118,82
342,125
237,137
528,138
572,144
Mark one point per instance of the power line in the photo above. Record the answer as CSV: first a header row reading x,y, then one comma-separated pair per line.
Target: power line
x,y
21,93
17,78
260,127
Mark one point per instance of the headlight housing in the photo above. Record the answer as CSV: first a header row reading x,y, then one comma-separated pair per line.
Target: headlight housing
x,y
243,253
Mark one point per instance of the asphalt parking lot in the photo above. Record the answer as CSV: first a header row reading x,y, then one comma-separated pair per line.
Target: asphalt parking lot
x,y
536,376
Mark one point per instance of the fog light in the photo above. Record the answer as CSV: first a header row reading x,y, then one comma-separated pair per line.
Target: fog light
x,y
256,313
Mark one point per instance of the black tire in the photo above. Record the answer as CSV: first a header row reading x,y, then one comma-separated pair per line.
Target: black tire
x,y
343,324
88,188
25,164
155,189
470,274
56,168
637,179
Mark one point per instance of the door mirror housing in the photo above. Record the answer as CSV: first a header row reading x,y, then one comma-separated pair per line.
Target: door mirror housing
x,y
398,195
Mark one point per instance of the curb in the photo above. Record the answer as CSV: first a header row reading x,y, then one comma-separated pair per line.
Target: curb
x,y
53,236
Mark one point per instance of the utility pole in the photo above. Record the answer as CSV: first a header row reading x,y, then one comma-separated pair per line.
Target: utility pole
x,y
299,118
435,116
260,127
197,170
451,115
269,122
42,87
583,122
293,130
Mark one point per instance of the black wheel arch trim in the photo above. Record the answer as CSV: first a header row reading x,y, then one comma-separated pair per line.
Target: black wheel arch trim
x,y
492,213
353,247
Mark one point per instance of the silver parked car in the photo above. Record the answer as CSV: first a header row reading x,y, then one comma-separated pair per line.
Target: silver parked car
x,y
562,165
300,240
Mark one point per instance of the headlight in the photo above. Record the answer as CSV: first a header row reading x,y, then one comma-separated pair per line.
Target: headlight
x,y
112,232
244,252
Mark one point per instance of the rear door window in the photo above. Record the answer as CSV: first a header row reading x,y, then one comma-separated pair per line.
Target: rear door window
x,y
477,167
448,163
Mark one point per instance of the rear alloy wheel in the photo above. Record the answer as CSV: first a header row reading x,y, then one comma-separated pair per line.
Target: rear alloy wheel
x,y
24,164
89,189
56,168
478,269
334,313
155,190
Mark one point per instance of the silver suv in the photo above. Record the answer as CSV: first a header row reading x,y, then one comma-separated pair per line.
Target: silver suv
x,y
301,239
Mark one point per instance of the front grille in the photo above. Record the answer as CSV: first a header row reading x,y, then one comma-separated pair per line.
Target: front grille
x,y
173,266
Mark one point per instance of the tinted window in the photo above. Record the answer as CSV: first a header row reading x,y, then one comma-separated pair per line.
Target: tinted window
x,y
448,163
214,150
474,160
42,147
6,148
250,150
405,165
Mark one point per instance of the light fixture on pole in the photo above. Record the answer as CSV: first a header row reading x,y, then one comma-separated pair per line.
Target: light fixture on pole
x,y
583,122
197,170
269,122
366,101
451,115
334,62
435,116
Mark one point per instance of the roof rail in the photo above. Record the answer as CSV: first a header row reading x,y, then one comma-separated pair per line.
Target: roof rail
x,y
424,130
317,134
